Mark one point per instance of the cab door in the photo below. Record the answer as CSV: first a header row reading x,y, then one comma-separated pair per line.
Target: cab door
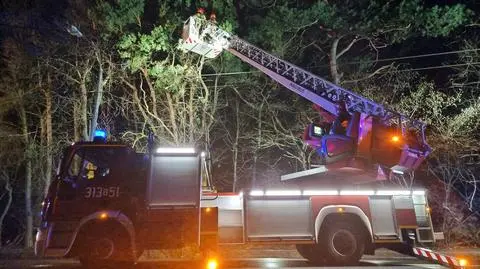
x,y
95,178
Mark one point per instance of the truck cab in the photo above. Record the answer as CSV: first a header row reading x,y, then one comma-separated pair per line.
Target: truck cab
x,y
108,203
91,185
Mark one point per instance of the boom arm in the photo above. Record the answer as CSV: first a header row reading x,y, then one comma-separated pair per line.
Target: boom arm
x,y
314,88
207,39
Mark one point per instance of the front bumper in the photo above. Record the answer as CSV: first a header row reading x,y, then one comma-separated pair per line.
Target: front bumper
x,y
41,243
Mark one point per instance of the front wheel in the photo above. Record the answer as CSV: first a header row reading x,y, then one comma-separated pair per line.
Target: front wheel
x,y
343,242
106,250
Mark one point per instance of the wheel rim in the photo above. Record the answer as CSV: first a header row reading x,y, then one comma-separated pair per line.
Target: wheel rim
x,y
344,243
102,248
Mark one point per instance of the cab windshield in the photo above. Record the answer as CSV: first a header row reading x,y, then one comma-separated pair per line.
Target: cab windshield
x,y
95,163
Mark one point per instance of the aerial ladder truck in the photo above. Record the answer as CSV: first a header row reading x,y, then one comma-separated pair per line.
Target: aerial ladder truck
x,y
377,143
108,203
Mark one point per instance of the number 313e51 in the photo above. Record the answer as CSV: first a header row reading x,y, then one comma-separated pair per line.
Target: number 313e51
x,y
102,192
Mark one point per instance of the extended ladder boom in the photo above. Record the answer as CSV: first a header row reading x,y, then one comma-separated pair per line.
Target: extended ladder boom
x,y
205,38
310,86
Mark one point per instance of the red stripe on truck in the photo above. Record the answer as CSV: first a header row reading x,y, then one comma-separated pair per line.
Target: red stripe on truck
x,y
406,217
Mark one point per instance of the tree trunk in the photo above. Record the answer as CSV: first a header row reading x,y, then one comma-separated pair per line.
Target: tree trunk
x,y
446,205
98,100
191,116
257,146
48,134
83,111
173,118
235,144
8,189
28,243
77,133
153,95
333,62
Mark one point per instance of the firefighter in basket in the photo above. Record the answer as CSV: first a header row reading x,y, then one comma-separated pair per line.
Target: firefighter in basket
x,y
200,19
209,29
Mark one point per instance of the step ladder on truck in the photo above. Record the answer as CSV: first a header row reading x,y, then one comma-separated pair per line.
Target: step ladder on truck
x,y
375,142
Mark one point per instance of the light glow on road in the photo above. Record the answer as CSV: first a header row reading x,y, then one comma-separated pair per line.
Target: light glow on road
x,y
272,263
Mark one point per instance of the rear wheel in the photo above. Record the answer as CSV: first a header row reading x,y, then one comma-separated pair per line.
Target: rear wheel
x,y
311,252
304,250
343,242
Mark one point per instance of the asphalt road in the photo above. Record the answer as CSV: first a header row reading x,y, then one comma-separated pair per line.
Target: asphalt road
x,y
260,263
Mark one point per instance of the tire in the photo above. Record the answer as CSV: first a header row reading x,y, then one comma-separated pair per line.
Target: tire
x,y
311,252
304,250
106,249
342,242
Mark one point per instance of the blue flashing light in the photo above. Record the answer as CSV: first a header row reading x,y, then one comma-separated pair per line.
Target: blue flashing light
x,y
100,135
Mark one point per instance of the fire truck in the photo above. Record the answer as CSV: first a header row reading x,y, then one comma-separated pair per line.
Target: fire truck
x,y
108,203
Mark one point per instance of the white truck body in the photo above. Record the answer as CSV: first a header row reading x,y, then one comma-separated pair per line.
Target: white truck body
x,y
295,216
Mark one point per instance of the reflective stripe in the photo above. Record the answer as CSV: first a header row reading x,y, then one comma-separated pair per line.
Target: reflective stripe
x,y
256,193
397,193
320,192
444,259
283,193
437,257
357,192
392,192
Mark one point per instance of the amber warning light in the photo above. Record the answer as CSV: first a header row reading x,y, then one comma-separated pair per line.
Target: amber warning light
x,y
212,264
395,138
462,262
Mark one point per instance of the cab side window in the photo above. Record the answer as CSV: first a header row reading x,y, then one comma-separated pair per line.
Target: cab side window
x,y
91,164
75,165
81,168
96,164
